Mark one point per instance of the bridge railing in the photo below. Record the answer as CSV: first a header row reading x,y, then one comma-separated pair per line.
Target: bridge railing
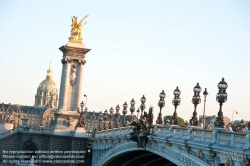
x,y
35,130
6,133
216,135
113,132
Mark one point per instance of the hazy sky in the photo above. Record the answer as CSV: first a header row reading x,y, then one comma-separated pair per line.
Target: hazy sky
x,y
137,48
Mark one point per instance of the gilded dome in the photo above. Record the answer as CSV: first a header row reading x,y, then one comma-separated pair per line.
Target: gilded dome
x,y
48,83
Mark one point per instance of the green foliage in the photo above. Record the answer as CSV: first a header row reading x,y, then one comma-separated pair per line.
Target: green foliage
x,y
169,117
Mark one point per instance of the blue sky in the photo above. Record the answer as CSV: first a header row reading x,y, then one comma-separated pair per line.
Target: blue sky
x,y
138,48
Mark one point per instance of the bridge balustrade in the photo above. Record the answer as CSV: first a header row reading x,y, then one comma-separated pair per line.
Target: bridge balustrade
x,y
216,135
178,144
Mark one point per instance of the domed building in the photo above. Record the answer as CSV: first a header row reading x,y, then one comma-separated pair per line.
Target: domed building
x,y
47,92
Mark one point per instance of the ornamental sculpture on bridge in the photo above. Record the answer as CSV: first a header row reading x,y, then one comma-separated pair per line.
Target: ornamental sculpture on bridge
x,y
141,128
76,30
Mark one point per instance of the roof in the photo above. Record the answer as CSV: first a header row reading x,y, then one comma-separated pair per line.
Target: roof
x,y
25,109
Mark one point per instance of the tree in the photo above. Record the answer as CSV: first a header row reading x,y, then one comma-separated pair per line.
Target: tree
x,y
169,117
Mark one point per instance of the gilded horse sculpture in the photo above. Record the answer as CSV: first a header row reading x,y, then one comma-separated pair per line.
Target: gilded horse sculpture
x,y
76,30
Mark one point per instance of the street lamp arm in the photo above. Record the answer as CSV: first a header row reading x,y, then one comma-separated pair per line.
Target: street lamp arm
x,y
233,114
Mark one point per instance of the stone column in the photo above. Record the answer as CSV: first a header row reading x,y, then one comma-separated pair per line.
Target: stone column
x,y
78,96
71,85
64,85
71,93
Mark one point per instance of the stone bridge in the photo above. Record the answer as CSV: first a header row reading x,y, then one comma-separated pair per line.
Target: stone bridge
x,y
172,145
42,139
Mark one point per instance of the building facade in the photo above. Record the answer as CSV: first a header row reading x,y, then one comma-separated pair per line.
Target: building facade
x,y
47,92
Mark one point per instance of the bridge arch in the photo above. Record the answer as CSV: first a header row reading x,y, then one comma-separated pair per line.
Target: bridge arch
x,y
169,153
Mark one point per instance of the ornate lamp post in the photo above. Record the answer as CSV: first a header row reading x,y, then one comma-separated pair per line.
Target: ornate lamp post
x,y
195,100
100,121
82,105
85,103
105,118
132,108
143,105
161,104
233,115
125,105
111,118
176,101
117,115
81,120
205,93
138,111
242,122
18,116
221,97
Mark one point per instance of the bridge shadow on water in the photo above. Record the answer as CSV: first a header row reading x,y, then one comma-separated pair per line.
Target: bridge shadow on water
x,y
136,158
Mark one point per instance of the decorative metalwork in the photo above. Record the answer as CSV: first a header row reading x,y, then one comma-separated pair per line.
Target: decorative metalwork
x,y
221,98
105,119
143,106
100,121
246,162
212,153
117,115
200,154
205,93
132,108
150,118
111,118
176,101
140,129
138,111
168,144
195,100
229,161
81,121
125,105
188,148
161,104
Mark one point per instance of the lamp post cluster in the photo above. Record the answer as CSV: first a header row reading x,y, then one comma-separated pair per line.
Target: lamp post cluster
x,y
221,97
195,100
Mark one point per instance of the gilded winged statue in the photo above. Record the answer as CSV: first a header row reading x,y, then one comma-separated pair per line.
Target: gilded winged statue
x,y
76,29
